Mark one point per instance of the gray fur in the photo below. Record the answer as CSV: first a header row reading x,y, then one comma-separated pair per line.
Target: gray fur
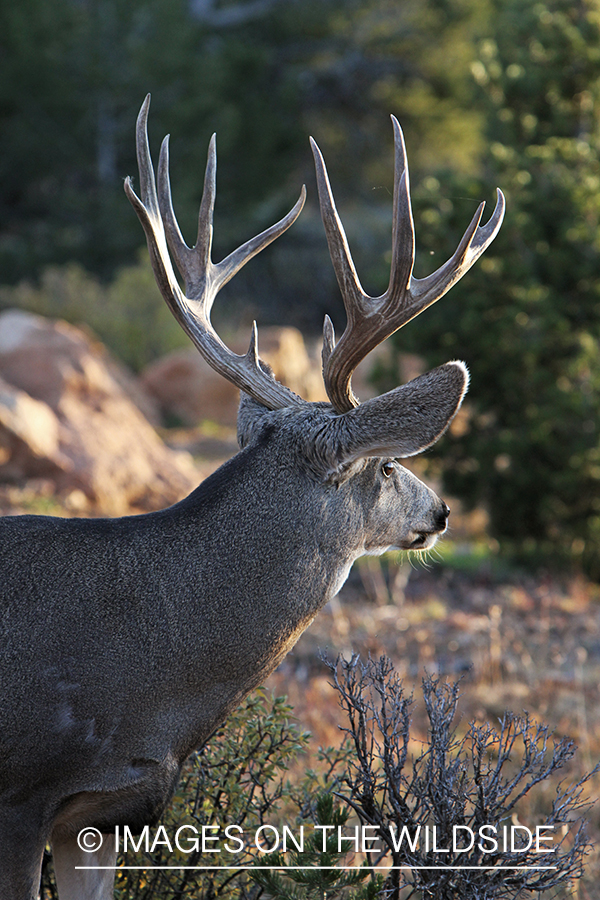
x,y
126,642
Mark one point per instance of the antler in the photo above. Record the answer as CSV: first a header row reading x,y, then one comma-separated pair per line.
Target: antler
x,y
203,278
373,319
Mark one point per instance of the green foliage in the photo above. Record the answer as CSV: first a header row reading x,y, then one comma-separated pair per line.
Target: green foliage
x,y
316,873
527,317
65,72
73,75
72,78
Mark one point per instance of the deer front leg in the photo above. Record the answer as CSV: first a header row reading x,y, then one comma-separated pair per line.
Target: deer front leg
x,y
91,883
21,851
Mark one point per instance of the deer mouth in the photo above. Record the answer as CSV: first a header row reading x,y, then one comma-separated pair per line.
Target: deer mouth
x,y
423,540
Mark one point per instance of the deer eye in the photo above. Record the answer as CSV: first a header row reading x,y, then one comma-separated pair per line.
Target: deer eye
x,y
388,468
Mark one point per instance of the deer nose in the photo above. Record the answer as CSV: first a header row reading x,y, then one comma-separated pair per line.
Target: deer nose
x,y
441,518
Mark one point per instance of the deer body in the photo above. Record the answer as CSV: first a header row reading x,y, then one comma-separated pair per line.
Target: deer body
x,y
144,632
124,643
166,591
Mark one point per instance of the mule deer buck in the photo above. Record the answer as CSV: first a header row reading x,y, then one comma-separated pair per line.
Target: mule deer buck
x,y
125,642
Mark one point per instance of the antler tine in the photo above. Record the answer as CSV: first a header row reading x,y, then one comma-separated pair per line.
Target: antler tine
x,y
370,320
339,251
474,242
373,319
203,278
182,254
403,228
195,263
149,215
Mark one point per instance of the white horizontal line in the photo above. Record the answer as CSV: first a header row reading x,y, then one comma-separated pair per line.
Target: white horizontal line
x,y
308,868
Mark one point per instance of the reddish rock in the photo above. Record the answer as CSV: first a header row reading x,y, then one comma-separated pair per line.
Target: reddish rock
x,y
29,436
186,387
88,428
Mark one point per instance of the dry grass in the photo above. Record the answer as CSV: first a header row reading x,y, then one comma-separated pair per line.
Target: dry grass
x,y
518,644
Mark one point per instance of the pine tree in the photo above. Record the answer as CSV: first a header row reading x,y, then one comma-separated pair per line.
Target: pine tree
x,y
527,317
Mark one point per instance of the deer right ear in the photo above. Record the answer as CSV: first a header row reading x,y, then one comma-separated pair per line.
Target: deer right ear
x,y
404,421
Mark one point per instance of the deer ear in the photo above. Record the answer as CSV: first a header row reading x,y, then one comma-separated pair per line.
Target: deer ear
x,y
251,420
404,421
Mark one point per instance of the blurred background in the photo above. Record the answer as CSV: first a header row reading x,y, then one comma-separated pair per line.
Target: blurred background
x,y
103,408
497,93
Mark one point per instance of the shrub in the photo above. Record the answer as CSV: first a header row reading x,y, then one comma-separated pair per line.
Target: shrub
x,y
456,782
238,778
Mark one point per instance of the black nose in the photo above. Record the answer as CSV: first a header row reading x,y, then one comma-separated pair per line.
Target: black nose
x,y
442,516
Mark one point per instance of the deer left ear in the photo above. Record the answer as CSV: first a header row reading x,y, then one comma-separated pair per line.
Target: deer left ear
x,y
404,421
251,420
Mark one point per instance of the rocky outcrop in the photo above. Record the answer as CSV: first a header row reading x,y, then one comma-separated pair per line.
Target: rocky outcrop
x,y
66,413
187,390
29,436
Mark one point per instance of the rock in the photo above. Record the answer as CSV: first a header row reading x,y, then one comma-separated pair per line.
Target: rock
x,y
186,388
188,391
71,416
29,436
285,351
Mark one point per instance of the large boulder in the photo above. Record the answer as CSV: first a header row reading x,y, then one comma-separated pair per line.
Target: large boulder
x,y
187,389
66,413
29,436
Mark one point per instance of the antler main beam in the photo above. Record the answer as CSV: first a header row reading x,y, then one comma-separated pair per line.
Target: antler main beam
x,y
203,279
370,320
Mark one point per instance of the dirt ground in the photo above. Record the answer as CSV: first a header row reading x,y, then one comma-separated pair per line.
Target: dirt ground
x,y
519,644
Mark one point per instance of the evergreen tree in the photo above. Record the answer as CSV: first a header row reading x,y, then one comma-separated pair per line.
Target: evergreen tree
x,y
527,317
264,76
